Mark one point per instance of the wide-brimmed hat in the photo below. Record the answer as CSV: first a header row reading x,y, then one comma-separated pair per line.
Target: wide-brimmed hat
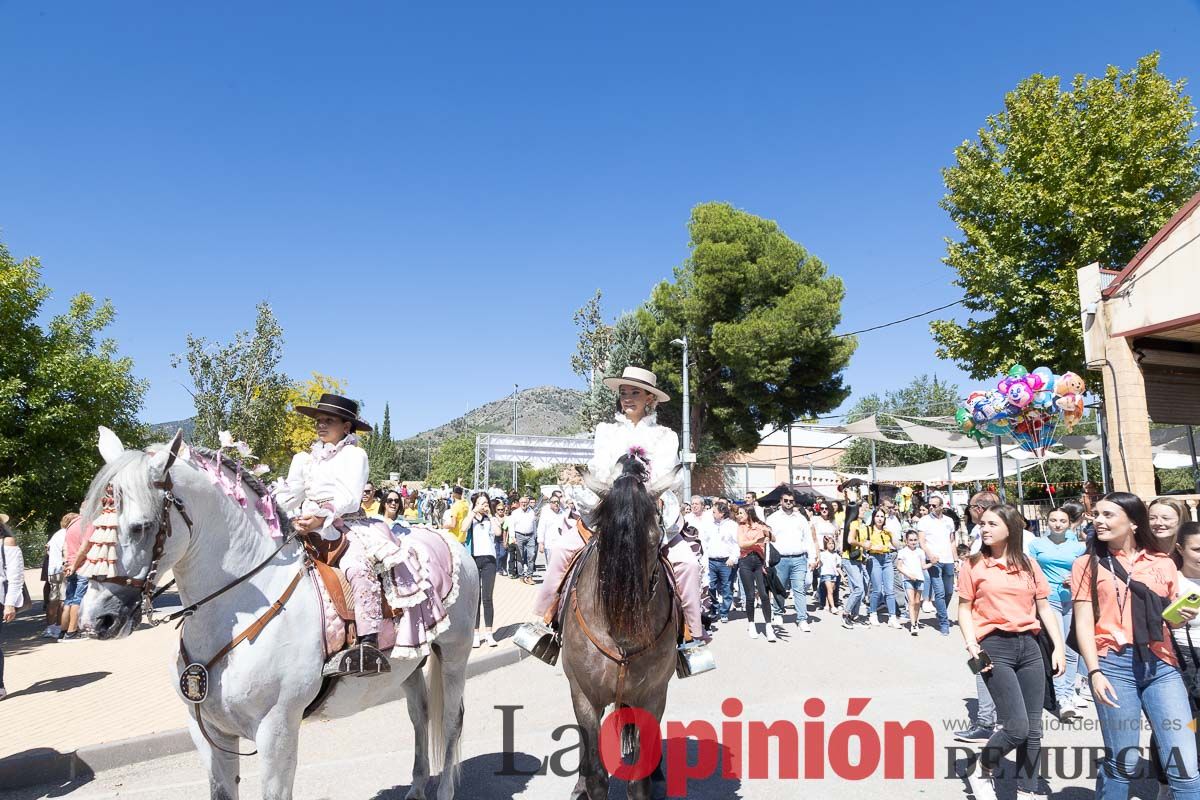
x,y
335,406
636,376
3,519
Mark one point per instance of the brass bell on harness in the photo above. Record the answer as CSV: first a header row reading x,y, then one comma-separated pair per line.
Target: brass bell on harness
x,y
539,640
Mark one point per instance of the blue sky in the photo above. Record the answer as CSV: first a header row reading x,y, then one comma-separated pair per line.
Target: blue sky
x,y
408,185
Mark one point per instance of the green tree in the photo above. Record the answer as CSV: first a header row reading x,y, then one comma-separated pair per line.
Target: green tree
x,y
626,346
1056,181
412,460
759,313
454,460
381,450
238,387
58,383
591,351
923,397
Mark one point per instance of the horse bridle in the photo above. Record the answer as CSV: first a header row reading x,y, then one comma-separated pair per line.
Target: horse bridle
x,y
147,585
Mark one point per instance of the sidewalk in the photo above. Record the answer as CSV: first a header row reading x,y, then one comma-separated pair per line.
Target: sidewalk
x,y
70,694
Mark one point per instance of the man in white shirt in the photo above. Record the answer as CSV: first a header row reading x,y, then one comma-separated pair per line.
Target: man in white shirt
x,y
522,526
55,577
721,549
936,534
551,523
797,546
752,502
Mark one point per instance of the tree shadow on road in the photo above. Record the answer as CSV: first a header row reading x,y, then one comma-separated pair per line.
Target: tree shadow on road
x,y
61,684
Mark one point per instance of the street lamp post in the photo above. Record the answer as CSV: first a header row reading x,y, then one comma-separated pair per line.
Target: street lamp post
x,y
687,422
513,431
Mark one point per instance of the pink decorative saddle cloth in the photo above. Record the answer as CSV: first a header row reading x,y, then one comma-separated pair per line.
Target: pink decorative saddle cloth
x,y
422,582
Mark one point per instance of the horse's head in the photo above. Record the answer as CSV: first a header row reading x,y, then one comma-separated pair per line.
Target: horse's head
x,y
635,468
138,482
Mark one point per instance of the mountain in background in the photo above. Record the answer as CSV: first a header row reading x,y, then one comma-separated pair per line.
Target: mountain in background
x,y
544,411
163,431
541,411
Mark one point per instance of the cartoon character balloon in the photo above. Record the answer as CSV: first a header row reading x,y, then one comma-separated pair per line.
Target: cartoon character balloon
x,y
1029,406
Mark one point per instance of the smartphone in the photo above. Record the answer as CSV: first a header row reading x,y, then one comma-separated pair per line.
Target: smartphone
x,y
1171,613
981,661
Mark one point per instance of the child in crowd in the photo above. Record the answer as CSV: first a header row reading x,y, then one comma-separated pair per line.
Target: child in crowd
x,y
910,562
830,558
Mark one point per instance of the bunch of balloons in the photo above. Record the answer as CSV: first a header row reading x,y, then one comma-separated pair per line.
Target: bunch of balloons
x,y
1028,406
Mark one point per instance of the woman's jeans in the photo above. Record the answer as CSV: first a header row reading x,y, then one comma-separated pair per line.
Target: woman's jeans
x,y
1064,685
1156,689
1017,682
750,570
882,581
856,576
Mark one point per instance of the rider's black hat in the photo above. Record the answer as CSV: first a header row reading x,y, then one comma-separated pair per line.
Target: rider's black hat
x,y
335,406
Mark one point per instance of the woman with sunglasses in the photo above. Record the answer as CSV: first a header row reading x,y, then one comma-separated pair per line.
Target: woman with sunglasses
x,y
390,512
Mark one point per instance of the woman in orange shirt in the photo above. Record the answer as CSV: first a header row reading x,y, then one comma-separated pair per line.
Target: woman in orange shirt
x,y
752,538
1001,596
1119,589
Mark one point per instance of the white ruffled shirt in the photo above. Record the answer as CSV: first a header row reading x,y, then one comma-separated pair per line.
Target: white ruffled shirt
x,y
327,481
615,439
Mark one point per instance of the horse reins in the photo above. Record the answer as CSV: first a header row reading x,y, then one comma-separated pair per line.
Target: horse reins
x,y
193,681
622,657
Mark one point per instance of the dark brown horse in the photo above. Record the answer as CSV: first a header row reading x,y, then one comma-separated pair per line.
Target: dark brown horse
x,y
621,621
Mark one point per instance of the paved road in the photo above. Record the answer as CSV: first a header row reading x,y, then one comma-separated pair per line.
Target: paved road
x,y
907,679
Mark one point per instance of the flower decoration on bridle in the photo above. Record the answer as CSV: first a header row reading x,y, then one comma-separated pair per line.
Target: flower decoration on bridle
x,y
102,554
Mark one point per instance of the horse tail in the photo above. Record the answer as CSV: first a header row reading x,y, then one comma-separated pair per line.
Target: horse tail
x,y
437,704
624,520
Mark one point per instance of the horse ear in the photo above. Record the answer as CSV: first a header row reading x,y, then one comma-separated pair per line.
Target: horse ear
x,y
110,445
164,458
592,482
664,482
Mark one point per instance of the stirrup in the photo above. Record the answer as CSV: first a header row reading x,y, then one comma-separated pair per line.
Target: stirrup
x,y
694,658
539,640
359,661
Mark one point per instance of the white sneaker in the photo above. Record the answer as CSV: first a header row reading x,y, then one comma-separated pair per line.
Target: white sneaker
x,y
805,627
753,630
981,787
489,641
770,629
478,640
927,607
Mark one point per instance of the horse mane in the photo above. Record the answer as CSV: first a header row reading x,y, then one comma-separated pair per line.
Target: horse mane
x,y
624,520
147,496
110,473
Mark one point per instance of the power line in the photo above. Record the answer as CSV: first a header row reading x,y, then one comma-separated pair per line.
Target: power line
x,y
897,322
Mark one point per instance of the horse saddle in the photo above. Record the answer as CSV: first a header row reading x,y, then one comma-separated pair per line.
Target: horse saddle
x,y
324,556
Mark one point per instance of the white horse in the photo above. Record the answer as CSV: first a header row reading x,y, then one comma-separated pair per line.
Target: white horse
x,y
260,690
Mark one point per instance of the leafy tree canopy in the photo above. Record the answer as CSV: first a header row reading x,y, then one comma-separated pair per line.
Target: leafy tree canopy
x,y
238,387
1056,181
626,346
759,313
58,383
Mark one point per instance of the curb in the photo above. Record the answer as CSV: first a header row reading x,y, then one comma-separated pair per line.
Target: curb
x,y
45,765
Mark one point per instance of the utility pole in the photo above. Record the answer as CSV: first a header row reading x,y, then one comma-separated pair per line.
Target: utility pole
x,y
687,423
791,473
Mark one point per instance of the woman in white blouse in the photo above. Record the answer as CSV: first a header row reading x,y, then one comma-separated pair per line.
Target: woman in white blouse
x,y
323,493
635,429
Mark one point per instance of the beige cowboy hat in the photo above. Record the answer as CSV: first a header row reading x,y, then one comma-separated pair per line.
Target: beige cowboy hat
x,y
3,519
643,378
